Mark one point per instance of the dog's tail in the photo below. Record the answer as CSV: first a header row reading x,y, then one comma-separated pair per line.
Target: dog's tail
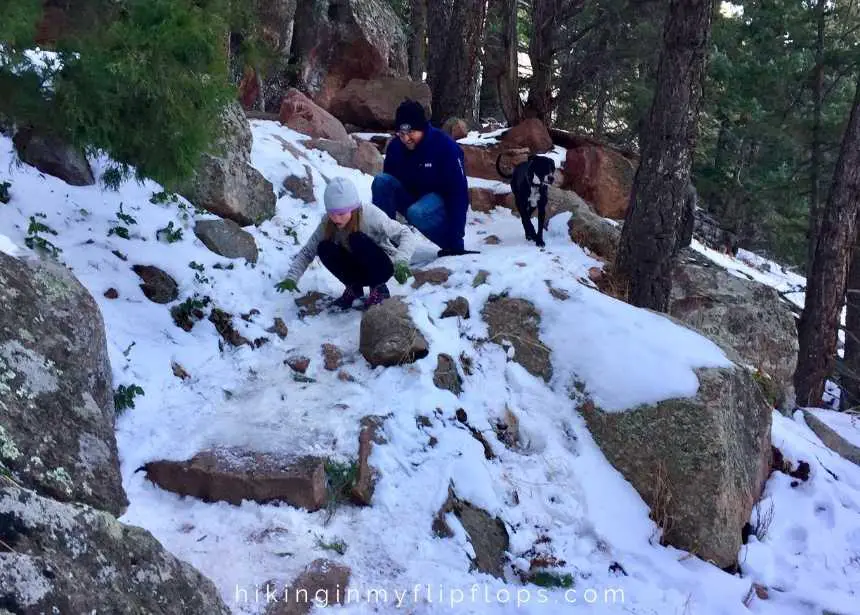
x,y
499,168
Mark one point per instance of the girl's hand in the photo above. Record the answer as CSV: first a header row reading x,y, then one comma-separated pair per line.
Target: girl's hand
x,y
402,272
287,284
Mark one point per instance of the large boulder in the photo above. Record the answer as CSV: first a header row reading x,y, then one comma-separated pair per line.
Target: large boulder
x,y
700,463
372,103
71,558
388,336
354,154
53,156
56,393
234,475
831,438
225,182
275,20
531,134
303,115
586,228
481,161
516,322
340,40
601,176
226,238
747,319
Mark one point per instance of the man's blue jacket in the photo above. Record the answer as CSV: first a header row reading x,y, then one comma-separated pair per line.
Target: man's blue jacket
x,y
435,165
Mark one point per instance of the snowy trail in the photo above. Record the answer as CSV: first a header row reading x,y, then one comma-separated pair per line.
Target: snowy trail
x,y
557,485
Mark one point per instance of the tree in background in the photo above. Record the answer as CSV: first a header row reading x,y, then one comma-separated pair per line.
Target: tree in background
x,y
455,32
649,238
500,84
144,80
828,277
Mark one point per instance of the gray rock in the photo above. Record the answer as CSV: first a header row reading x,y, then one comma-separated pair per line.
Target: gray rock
x,y
353,154
301,188
227,238
832,439
389,337
56,393
157,286
585,227
517,322
70,558
225,182
488,535
53,156
446,377
458,306
748,320
699,463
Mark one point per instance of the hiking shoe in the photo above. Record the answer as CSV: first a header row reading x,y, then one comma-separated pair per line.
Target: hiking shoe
x,y
377,295
350,294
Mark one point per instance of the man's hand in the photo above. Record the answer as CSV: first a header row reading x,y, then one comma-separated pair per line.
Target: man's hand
x,y
287,284
402,272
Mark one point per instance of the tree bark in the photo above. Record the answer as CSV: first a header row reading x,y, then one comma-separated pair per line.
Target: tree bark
x,y
650,236
545,15
827,278
417,39
456,31
509,79
815,157
850,379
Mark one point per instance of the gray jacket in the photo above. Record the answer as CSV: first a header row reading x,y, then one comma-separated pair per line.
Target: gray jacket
x,y
396,240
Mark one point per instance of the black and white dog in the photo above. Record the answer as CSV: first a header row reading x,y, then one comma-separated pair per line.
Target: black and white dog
x,y
529,183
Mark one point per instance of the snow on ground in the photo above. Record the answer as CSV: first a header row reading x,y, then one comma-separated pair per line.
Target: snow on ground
x,y
559,486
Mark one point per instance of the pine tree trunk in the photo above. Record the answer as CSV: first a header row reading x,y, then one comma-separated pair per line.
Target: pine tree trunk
x,y
455,57
815,157
417,39
544,24
826,281
850,380
509,79
649,238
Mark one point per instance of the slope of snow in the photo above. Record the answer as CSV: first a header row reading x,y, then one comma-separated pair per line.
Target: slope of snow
x,y
557,494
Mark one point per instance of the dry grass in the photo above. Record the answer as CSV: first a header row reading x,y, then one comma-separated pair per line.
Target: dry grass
x,y
763,520
661,501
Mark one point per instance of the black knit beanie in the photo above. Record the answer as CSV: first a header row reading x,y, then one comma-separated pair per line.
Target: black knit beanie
x,y
410,116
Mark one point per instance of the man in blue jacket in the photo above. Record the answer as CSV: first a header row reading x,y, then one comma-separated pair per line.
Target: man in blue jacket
x,y
424,179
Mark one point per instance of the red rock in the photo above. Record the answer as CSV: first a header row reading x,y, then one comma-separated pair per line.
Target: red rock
x,y
298,364
362,491
303,115
233,475
332,357
602,177
482,199
481,161
372,103
531,134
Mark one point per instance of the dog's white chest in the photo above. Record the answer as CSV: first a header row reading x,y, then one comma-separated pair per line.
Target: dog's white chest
x,y
534,197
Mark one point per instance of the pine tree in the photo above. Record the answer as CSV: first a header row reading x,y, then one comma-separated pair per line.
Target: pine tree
x,y
649,238
145,81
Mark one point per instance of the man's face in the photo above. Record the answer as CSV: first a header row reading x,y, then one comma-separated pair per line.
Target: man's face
x,y
410,138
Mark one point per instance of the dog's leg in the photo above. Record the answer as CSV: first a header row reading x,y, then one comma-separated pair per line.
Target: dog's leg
x,y
541,221
526,219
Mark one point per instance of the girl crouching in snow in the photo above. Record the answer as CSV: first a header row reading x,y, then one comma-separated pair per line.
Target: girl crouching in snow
x,y
357,243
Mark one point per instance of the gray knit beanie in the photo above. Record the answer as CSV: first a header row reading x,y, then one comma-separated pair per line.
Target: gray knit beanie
x,y
341,196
